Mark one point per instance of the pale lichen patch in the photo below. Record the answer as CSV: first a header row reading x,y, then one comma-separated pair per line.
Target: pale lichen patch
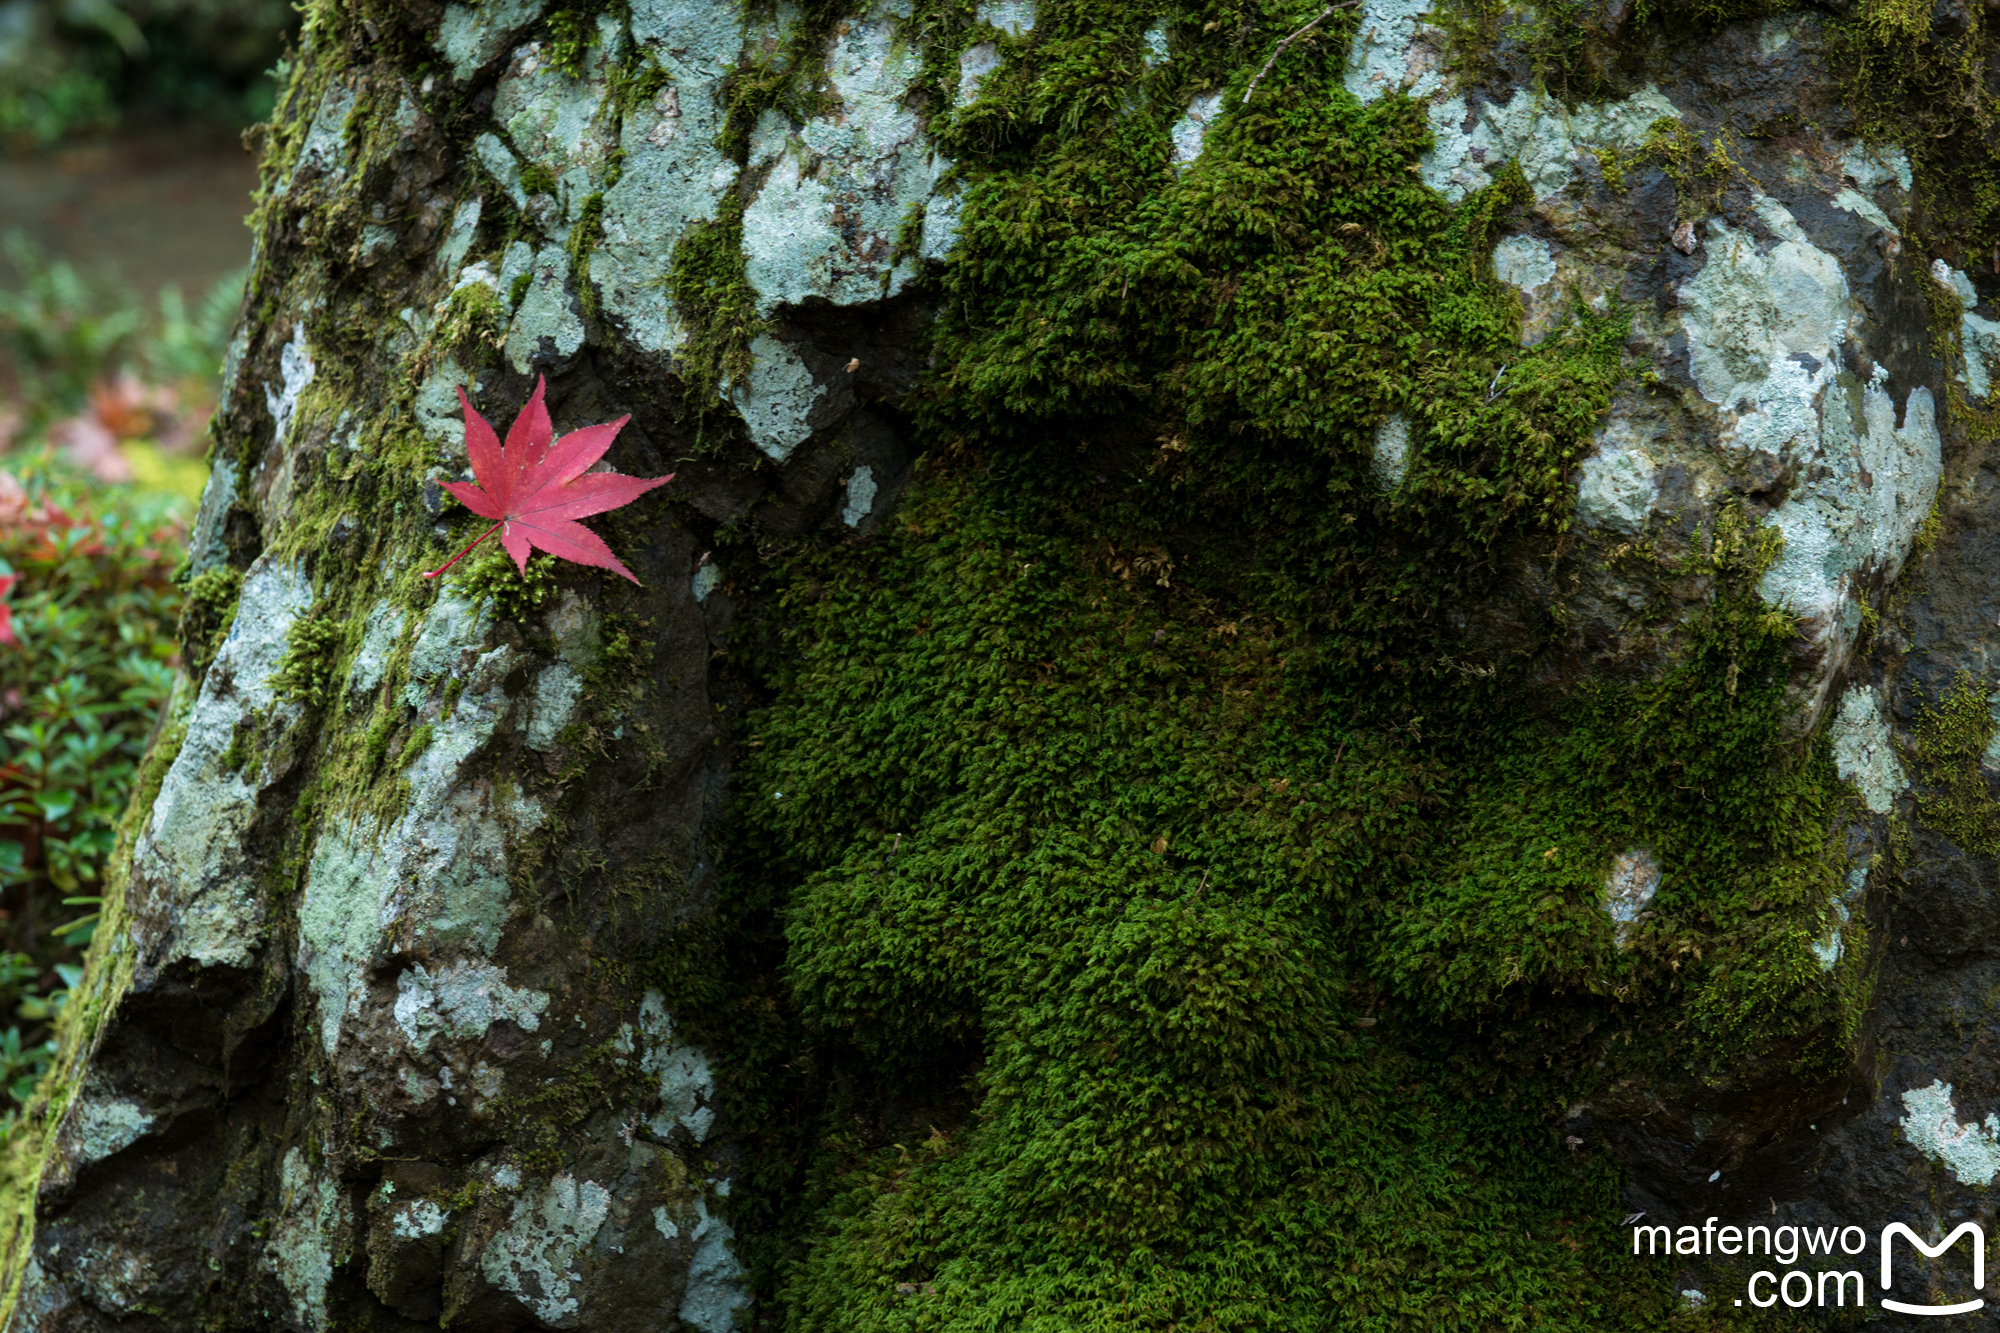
x,y
1979,337
325,149
825,220
1191,130
685,1081
672,175
306,1242
502,165
1629,890
1016,18
462,1000
1391,459
559,122
101,1126
558,691
715,1277
295,371
1525,262
535,1256
778,399
860,497
470,36
974,64
1864,752
1534,130
1931,1126
1393,49
459,235
187,878
1618,482
417,1219
378,640
548,324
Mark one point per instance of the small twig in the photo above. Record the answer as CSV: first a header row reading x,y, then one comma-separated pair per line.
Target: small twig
x,y
1493,389
1280,48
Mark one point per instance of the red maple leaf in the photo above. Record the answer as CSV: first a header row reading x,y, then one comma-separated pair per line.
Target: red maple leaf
x,y
536,492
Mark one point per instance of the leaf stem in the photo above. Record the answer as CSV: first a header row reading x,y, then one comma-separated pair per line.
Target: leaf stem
x,y
433,573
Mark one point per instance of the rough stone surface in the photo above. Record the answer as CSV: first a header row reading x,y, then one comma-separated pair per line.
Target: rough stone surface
x,y
188,891
837,188
379,976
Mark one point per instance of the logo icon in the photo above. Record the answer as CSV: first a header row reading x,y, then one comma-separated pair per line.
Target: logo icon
x,y
1895,1229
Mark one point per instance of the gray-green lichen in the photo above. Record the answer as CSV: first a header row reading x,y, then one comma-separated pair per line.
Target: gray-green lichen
x,y
1191,130
309,1239
415,1219
1970,1151
1391,458
1979,337
1524,261
536,1257
1629,890
778,400
1864,751
379,635
673,175
433,882
101,1126
1618,483
560,123
859,501
1395,49
548,324
205,547
685,1081
461,999
472,36
715,1291
837,188
190,885
325,152
295,369
457,243
500,163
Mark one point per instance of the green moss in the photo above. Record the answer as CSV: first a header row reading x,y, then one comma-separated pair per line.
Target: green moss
x,y
1100,799
583,239
306,671
206,615
536,178
1923,85
473,316
491,573
1702,168
712,294
375,741
237,757
570,37
419,741
1954,796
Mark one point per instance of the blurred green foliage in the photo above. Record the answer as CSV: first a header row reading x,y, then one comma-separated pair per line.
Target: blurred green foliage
x,y
90,601
75,65
93,613
63,331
